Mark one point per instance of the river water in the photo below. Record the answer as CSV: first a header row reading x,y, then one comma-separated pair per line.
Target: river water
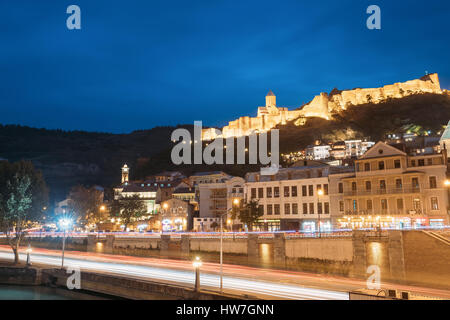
x,y
11,292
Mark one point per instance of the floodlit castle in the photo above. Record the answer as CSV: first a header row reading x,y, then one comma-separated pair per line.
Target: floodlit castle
x,y
322,106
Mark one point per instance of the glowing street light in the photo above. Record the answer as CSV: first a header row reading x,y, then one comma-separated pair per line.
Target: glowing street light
x,y
197,264
65,224
102,208
447,183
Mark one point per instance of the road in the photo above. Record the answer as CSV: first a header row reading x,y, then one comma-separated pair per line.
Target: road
x,y
261,283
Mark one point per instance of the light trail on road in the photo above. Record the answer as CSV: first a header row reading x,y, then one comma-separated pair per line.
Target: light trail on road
x,y
186,278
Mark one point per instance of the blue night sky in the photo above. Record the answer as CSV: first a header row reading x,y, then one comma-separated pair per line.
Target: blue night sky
x,y
140,64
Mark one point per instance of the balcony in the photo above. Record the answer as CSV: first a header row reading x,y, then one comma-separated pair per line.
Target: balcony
x,y
380,191
218,196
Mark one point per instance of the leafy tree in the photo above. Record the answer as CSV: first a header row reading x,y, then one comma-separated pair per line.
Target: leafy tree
x,y
85,203
249,213
214,225
23,200
129,209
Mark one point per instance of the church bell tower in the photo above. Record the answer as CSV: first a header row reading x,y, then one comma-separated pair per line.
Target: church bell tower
x,y
125,173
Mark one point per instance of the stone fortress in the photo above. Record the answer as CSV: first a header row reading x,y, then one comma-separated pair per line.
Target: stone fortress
x,y
322,106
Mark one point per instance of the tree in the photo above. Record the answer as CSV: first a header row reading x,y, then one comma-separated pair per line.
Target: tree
x,y
130,208
85,203
248,214
214,225
23,200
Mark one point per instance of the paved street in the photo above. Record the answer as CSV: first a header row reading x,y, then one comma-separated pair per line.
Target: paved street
x,y
264,283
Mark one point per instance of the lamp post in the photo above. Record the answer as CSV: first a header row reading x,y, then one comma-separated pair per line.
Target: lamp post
x,y
197,264
236,202
319,193
65,224
29,250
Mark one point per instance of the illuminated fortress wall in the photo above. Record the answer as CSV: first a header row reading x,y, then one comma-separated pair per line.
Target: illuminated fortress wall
x,y
322,106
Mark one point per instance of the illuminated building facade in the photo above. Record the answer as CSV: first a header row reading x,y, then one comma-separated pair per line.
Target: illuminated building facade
x,y
391,189
216,198
176,215
296,198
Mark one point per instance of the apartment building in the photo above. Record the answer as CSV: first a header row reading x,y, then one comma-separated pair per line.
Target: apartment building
x,y
296,198
216,199
391,189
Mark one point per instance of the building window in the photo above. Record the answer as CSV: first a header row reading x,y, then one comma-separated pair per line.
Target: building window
x,y
260,193
341,187
269,192
400,204
421,162
305,208
287,208
294,208
276,209
433,183
327,207
253,193
413,163
368,185
355,205
311,190
415,183
369,204
383,185
396,164
304,194
325,189
367,166
319,208
398,184
286,191
311,208
294,191
383,204
276,192
341,206
353,186
319,187
434,203
380,165
269,210
429,162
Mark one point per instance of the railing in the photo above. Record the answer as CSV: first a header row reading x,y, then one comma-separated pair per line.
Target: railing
x,y
381,191
442,230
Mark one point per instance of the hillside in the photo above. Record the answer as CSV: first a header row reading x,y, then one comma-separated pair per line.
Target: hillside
x,y
418,113
71,157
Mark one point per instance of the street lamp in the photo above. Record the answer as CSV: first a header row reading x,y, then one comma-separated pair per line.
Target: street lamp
x,y
319,193
64,223
236,202
28,251
197,264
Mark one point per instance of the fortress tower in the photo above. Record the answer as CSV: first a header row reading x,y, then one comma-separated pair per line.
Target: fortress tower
x,y
271,99
125,173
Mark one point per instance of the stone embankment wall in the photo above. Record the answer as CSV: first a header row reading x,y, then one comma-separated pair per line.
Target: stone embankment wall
x,y
405,256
